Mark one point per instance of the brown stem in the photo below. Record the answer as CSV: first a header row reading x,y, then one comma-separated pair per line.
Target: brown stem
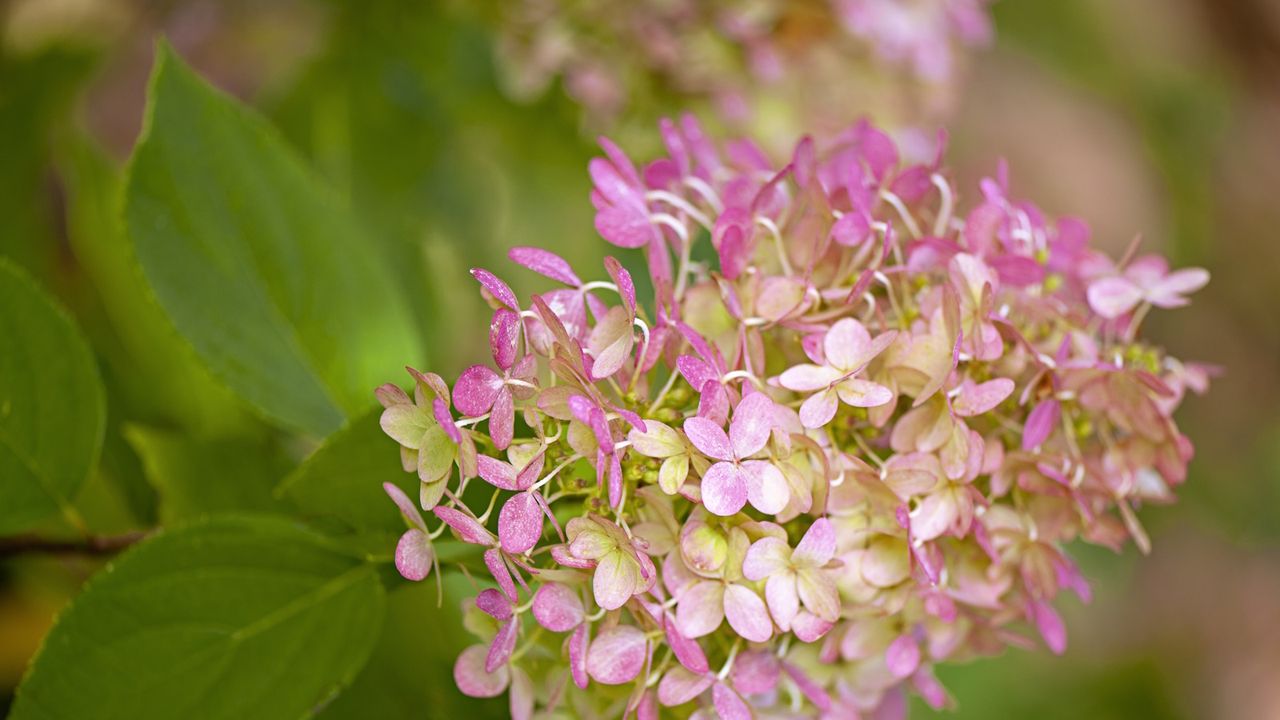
x,y
92,545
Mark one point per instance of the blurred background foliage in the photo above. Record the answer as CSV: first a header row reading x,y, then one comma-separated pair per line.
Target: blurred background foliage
x,y
1151,116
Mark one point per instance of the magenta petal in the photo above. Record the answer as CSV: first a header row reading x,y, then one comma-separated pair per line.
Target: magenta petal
x,y
494,604
520,524
466,526
504,643
724,488
504,337
713,403
501,575
680,685
852,229
407,508
687,651
414,555
617,655
496,287
818,545
522,695
622,278
502,420
625,226
752,423
440,409
545,263
1040,423
557,607
1049,623
903,656
812,690
496,472
746,613
578,644
471,677
729,705
709,438
696,372
476,390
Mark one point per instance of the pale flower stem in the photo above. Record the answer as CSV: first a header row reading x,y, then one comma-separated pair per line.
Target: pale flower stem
x,y
662,395
565,463
944,211
1139,315
679,203
686,252
769,225
467,422
493,502
907,219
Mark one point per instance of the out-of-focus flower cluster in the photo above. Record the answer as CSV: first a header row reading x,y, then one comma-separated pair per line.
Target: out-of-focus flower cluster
x,y
815,61
849,440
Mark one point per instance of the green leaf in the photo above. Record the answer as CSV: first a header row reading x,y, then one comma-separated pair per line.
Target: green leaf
x,y
52,407
258,264
232,618
340,486
196,478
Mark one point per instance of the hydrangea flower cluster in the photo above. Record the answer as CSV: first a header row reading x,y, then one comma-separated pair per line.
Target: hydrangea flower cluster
x,y
609,54
849,439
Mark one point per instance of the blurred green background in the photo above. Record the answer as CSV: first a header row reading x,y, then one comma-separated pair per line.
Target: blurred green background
x,y
1159,117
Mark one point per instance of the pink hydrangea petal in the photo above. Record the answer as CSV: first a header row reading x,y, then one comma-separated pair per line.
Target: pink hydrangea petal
x,y
701,609
473,680
615,580
622,278
1114,296
696,372
819,408
501,575
496,472
852,229
746,613
626,226
809,627
466,526
976,399
1040,423
414,555
767,488
476,390
752,423
845,345
857,392
440,409
729,705
1049,623
686,650
579,643
903,656
818,593
724,488
520,523
545,263
709,438
610,343
766,556
680,685
557,607
407,508
502,420
935,515
617,655
1170,292
504,336
496,287
818,545
522,695
806,378
713,403
494,604
784,602
755,672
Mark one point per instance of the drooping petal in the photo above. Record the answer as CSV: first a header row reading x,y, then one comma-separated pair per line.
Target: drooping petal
x,y
578,645
610,343
746,613
818,545
617,655
709,438
767,556
498,569
497,288
414,555
407,508
784,602
473,680
1049,623
752,423
522,695
557,607
615,580
680,685
504,643
465,525
701,609
545,263
520,523
494,604
1040,423
502,419
729,705
819,409
724,488
686,650
476,390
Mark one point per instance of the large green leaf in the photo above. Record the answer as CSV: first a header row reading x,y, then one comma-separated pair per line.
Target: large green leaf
x,y
196,477
51,404
259,265
339,488
233,618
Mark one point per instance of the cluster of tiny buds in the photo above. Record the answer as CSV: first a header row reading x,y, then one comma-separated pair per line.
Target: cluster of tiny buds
x,y
847,439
